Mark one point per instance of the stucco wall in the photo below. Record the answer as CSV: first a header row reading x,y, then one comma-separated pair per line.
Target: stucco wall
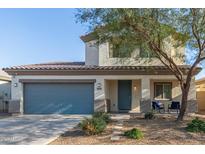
x,y
100,55
177,94
176,91
17,91
142,94
112,94
91,53
200,88
136,95
192,91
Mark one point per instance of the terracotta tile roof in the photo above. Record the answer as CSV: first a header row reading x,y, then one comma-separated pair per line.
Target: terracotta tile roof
x,y
82,66
48,66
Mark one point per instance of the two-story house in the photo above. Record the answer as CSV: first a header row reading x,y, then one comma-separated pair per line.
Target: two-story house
x,y
117,81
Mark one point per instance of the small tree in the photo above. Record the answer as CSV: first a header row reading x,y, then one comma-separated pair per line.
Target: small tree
x,y
150,29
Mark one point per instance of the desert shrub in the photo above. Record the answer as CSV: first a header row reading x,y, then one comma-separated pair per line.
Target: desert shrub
x,y
93,126
149,115
134,133
102,115
196,125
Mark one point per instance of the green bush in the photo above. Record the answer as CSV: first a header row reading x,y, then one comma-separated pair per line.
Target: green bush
x,y
196,125
149,115
134,133
93,126
102,115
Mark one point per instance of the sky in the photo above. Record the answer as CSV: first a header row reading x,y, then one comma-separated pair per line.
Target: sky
x,y
30,36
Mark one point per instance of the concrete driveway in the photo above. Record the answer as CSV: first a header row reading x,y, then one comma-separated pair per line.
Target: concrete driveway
x,y
35,129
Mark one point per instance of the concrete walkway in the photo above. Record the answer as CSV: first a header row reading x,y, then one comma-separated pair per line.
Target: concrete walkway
x,y
118,125
38,129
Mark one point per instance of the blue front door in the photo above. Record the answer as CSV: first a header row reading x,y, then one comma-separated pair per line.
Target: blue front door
x,y
124,94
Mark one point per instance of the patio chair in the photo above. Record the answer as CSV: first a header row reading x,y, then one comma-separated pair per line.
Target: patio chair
x,y
175,105
158,106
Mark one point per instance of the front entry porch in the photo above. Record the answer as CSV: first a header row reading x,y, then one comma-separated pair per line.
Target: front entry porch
x,y
123,95
137,95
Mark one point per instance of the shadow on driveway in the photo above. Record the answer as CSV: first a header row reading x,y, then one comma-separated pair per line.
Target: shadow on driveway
x,y
35,129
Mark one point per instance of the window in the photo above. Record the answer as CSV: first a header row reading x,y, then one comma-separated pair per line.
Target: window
x,y
120,51
125,50
163,90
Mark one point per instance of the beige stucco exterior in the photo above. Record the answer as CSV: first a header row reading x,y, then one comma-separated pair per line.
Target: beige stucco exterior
x,y
142,88
200,93
106,86
100,55
91,53
111,93
176,90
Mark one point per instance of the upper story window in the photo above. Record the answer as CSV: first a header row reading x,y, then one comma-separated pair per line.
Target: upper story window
x,y
125,51
120,51
163,90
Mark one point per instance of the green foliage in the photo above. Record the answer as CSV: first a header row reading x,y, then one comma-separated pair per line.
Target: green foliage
x,y
134,133
93,126
154,29
102,115
196,125
136,27
149,115
96,124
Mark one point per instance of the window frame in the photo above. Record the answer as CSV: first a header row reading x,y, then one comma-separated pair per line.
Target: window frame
x,y
112,50
162,83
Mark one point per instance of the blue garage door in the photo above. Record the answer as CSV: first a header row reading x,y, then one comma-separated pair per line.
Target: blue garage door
x,y
59,98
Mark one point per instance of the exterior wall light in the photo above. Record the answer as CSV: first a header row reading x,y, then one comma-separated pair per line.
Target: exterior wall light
x,y
15,84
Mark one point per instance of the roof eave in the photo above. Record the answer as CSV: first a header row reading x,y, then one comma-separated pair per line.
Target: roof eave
x,y
88,37
88,72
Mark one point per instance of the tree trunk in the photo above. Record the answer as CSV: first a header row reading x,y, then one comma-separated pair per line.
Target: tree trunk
x,y
184,102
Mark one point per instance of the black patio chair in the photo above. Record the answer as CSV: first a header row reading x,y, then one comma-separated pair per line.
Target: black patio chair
x,y
158,106
175,105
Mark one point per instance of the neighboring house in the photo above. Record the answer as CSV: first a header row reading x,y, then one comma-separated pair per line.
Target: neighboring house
x,y
127,84
200,94
5,90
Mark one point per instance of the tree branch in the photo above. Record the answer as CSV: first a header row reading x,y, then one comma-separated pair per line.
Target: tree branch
x,y
169,66
203,45
172,67
195,33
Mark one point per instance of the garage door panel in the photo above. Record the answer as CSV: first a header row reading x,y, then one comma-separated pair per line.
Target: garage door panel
x,y
70,98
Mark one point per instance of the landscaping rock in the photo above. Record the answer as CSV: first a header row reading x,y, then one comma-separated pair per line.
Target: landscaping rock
x,y
115,138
